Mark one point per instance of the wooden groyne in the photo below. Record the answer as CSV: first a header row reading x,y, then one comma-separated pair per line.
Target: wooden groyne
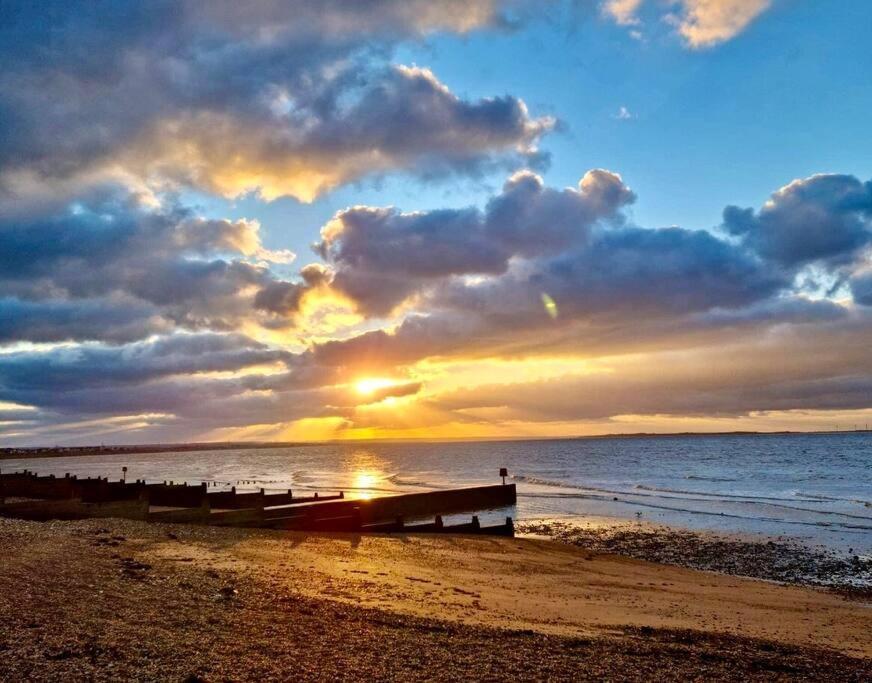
x,y
30,496
358,514
28,484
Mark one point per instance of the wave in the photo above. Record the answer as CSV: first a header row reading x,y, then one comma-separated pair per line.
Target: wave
x,y
401,481
561,485
653,491
698,477
301,477
845,526
835,499
685,495
737,496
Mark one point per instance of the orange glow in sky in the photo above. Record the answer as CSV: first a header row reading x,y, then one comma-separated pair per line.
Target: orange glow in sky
x,y
369,385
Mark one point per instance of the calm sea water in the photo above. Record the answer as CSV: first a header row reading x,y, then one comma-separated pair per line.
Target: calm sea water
x,y
813,488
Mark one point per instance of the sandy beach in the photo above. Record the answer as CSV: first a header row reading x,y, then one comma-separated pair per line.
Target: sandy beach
x,y
111,600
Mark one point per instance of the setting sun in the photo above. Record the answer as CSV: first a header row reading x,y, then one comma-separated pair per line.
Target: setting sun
x,y
370,385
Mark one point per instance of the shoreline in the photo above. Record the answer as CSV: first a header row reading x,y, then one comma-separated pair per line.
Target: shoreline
x,y
116,599
782,559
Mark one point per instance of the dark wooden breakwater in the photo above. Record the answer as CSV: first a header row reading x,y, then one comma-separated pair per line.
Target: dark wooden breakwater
x,y
27,495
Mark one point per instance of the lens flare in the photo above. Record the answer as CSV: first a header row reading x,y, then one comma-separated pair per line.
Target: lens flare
x,y
550,305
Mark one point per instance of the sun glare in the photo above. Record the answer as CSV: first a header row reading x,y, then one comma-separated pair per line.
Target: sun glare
x,y
370,385
363,481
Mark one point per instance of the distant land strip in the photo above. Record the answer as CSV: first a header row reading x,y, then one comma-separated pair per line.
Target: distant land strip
x,y
133,449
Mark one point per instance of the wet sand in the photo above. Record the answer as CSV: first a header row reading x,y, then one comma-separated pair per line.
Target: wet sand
x,y
110,600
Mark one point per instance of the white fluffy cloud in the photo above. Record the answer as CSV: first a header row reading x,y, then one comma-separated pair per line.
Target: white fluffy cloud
x,y
704,23
700,23
624,12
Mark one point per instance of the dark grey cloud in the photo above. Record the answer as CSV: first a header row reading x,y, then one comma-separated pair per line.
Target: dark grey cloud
x,y
58,321
603,398
161,377
196,404
380,257
825,218
610,282
633,271
89,366
621,282
286,98
281,298
861,288
790,309
113,268
529,219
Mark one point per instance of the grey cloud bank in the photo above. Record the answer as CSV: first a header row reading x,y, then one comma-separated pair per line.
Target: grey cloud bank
x,y
475,278
280,98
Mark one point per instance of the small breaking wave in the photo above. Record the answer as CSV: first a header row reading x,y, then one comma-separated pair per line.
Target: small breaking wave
x,y
402,481
835,499
699,477
737,496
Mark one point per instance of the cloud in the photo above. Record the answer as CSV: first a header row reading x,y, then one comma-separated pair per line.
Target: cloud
x,y
668,270
793,369
790,309
704,23
95,365
381,257
121,308
167,377
109,267
700,23
614,285
57,321
190,378
623,289
283,99
478,277
861,287
824,218
688,320
622,11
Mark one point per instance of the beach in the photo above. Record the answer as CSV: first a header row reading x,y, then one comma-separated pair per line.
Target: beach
x,y
116,599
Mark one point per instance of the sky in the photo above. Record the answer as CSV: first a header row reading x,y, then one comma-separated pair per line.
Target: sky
x,y
432,219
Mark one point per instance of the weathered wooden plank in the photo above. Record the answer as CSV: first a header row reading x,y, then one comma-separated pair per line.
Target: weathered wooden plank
x,y
176,495
412,505
232,500
251,517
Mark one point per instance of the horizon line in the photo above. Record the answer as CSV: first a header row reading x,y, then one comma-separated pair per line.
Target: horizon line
x,y
226,445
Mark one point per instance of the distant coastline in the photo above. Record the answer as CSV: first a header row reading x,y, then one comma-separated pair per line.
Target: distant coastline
x,y
10,453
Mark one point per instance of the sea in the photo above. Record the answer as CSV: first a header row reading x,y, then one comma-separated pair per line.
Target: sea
x,y
815,489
